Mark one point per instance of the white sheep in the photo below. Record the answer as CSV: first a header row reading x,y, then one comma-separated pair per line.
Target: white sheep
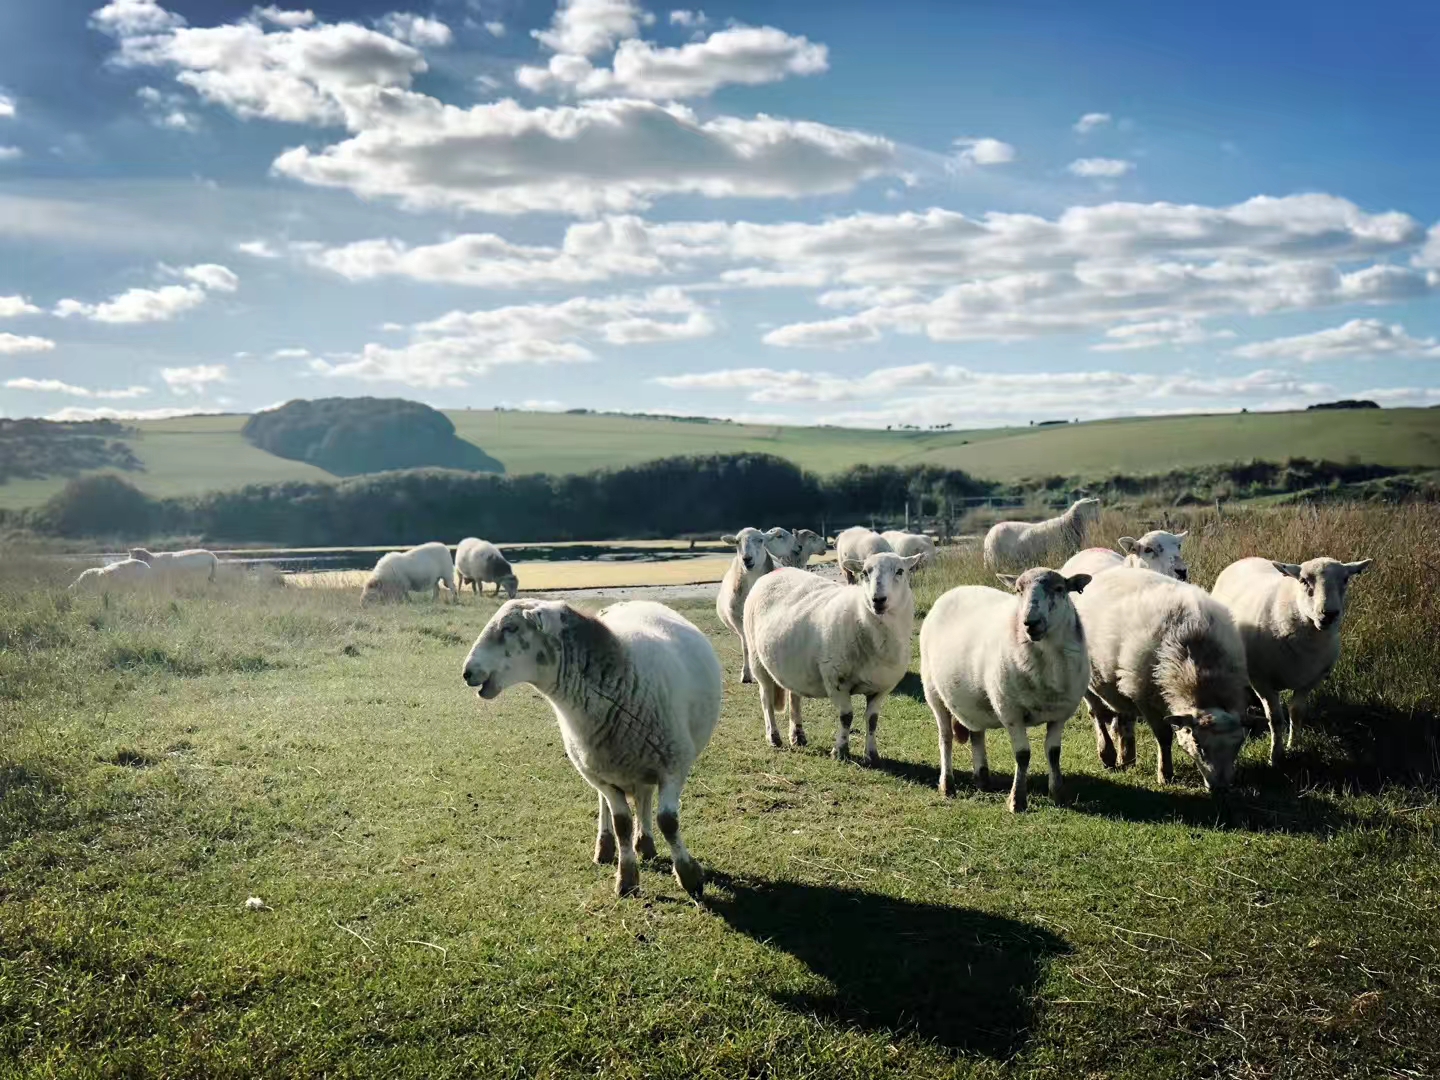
x,y
1165,652
752,561
1015,545
816,638
123,572
1289,618
478,561
794,549
1157,550
990,659
637,692
192,562
855,545
427,568
908,543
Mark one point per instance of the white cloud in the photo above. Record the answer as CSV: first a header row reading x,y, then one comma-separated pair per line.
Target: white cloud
x,y
290,354
1100,168
456,347
11,153
290,19
12,307
1092,120
587,27
830,334
687,18
194,380
166,110
14,344
495,28
7,107
1149,335
1358,339
415,30
159,304
76,413
741,55
258,249
55,386
132,18
985,151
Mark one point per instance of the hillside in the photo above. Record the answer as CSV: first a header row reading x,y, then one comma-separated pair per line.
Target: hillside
x,y
196,454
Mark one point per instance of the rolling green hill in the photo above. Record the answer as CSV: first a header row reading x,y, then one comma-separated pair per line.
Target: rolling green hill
x,y
195,454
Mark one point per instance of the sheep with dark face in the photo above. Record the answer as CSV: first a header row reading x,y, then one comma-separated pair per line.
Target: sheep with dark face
x,y
636,690
1013,545
752,561
1289,618
478,561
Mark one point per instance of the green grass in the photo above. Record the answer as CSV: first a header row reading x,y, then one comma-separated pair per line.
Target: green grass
x,y
197,454
432,911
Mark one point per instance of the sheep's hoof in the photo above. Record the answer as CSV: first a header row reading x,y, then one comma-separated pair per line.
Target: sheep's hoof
x,y
746,677
947,786
1017,804
982,780
1059,793
774,738
1107,757
691,877
645,846
605,848
872,758
841,753
627,880
797,737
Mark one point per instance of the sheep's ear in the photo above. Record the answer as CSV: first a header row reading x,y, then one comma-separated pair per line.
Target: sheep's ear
x,y
731,540
1077,582
853,567
1180,722
1128,544
1353,568
1289,569
1181,535
912,561
535,616
1008,580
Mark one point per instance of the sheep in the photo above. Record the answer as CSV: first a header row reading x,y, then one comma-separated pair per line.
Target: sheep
x,y
794,549
1011,546
908,543
637,692
124,572
1289,618
1157,550
427,568
752,561
1166,652
478,561
820,639
855,545
991,659
192,562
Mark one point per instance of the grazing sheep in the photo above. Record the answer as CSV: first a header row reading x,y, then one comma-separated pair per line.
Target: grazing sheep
x,y
192,562
752,561
1014,545
1157,550
820,639
427,568
1289,618
855,545
637,692
1166,652
478,561
794,549
991,659
124,572
908,543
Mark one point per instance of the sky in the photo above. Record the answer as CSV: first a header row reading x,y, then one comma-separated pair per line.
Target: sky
x,y
968,213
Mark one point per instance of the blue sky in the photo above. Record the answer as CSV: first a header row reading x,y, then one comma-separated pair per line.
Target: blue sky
x,y
967,213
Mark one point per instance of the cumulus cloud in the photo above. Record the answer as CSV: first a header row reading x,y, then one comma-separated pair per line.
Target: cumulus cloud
x,y
7,107
985,151
159,304
258,249
462,345
1358,339
1092,120
1150,335
495,28
134,18
687,18
166,110
1100,168
11,153
12,307
415,30
194,380
15,344
282,17
55,386
290,354
587,27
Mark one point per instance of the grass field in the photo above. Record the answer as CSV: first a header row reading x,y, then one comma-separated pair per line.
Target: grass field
x,y
430,910
196,454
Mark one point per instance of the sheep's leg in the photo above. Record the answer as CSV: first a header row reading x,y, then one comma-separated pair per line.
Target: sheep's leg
x,y
627,877
605,834
645,834
1296,714
1019,787
945,723
841,701
980,760
1164,738
746,670
770,700
1101,715
1278,718
688,871
1123,728
797,722
1054,732
872,721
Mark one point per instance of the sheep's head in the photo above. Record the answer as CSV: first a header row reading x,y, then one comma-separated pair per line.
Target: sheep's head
x,y
142,554
750,545
1325,583
885,577
379,590
511,584
1214,739
784,546
1044,598
1159,550
810,543
1084,511
520,644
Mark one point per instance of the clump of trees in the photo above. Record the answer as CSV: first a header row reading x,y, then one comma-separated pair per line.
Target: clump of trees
x,y
351,436
32,449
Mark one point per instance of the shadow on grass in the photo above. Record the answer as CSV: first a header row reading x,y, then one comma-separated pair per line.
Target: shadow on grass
x,y
1353,749
1256,804
910,686
964,979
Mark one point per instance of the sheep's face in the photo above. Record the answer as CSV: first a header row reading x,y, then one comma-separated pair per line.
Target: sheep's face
x,y
1214,739
885,577
520,644
809,544
1085,511
750,545
511,584
1044,599
783,545
379,590
1159,551
1324,583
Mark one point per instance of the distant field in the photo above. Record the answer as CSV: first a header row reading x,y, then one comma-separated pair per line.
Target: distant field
x,y
196,454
